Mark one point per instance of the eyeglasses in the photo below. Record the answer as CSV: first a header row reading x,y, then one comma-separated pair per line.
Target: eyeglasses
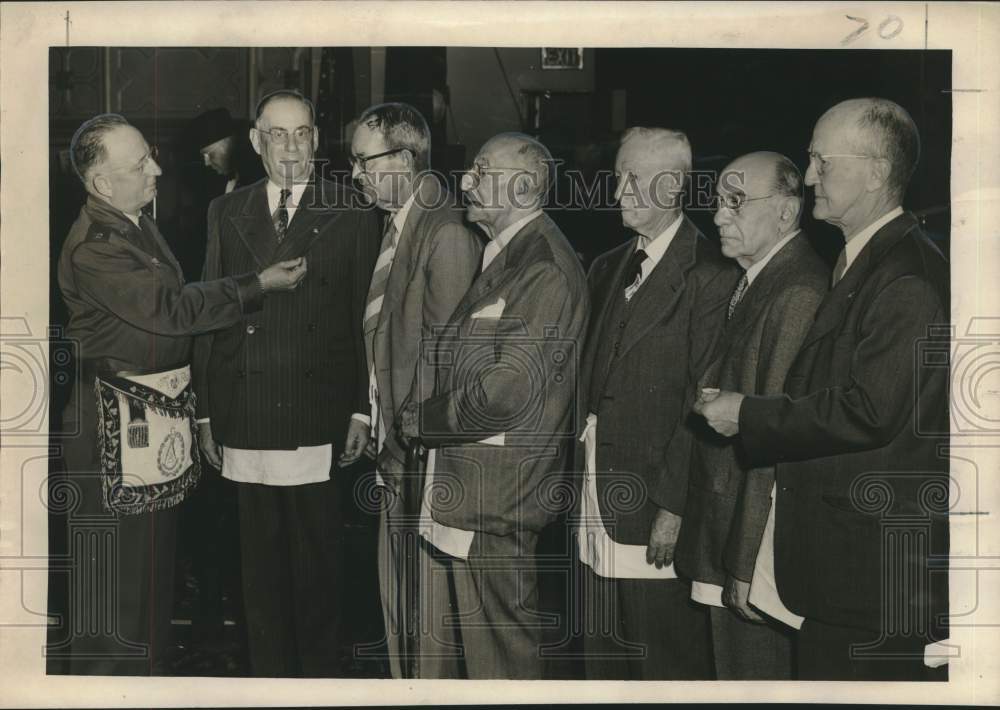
x,y
361,162
281,136
478,170
734,201
153,155
820,162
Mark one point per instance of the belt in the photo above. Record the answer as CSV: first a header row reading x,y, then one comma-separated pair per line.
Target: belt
x,y
105,367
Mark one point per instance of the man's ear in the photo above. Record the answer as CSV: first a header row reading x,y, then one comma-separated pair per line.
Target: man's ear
x,y
255,140
315,139
102,186
878,177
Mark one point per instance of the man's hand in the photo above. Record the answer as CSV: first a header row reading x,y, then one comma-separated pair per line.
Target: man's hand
x,y
736,596
663,538
409,422
357,439
283,276
390,468
208,445
720,409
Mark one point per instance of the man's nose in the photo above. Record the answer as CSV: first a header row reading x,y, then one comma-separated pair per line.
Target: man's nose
x,y
811,177
208,161
468,182
720,217
154,168
355,171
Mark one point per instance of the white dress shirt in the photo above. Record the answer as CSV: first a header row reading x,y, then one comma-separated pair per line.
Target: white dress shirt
x,y
605,556
496,245
279,467
706,592
857,242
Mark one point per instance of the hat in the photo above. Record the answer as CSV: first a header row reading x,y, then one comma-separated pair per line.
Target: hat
x,y
209,127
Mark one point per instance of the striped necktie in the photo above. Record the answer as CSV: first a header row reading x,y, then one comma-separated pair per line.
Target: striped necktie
x,y
839,268
741,289
280,216
376,291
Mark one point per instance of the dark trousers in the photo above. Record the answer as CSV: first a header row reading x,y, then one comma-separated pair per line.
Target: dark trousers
x,y
838,653
643,629
120,568
747,651
290,538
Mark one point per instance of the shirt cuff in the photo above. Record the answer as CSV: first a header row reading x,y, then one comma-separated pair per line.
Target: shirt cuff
x,y
363,418
203,420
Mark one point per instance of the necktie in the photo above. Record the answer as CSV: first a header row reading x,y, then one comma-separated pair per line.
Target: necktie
x,y
376,290
741,289
840,267
281,215
633,270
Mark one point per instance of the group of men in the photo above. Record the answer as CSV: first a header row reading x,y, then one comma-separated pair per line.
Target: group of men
x,y
722,410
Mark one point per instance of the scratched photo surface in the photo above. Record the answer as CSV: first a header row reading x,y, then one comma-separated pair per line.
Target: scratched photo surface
x,y
132,555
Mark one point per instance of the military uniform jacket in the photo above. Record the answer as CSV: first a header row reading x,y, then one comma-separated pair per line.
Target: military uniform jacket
x,y
292,374
129,308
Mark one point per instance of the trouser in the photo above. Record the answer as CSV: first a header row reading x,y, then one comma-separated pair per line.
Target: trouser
x,y
438,647
747,651
643,629
120,567
828,652
290,537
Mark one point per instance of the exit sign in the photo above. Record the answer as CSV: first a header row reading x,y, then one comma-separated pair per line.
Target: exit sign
x,y
562,58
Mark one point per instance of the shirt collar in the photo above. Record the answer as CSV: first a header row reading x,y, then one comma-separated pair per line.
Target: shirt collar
x,y
274,194
507,234
657,247
855,244
399,218
754,269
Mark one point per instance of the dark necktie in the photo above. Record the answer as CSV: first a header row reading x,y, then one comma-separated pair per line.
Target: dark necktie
x,y
633,270
741,289
281,215
840,267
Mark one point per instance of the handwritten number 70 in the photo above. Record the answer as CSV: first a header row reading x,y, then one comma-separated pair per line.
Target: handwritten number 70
x,y
889,28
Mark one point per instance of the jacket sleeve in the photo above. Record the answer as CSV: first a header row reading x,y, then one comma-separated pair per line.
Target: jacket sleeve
x,y
367,239
501,379
875,403
785,327
110,277
705,328
453,262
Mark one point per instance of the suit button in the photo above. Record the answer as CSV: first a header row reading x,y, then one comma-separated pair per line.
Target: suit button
x,y
311,327
621,324
251,330
309,373
279,405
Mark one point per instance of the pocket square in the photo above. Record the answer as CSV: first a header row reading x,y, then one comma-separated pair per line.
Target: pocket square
x,y
494,310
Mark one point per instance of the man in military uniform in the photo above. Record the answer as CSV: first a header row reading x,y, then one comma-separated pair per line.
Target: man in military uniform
x,y
129,423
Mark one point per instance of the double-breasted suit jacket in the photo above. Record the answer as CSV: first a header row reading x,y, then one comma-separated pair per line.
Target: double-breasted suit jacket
x,y
434,265
728,502
506,365
858,437
640,371
292,374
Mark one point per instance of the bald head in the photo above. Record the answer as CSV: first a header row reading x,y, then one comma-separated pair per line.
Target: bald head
x,y
517,150
884,130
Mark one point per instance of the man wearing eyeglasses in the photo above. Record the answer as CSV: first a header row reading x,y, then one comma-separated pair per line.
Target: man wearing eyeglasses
x,y
286,393
131,414
856,435
499,422
770,311
659,307
427,261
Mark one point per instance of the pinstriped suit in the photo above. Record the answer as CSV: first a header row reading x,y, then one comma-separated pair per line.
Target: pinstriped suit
x,y
290,376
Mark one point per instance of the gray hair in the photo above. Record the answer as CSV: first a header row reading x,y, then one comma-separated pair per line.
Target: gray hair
x,y
894,137
87,149
401,126
675,143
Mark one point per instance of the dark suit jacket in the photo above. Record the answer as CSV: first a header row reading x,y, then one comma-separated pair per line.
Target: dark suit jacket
x,y
435,263
855,444
728,501
513,375
643,431
292,374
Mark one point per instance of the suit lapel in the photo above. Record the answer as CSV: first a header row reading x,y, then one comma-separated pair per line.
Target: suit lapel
x,y
658,295
312,216
161,244
758,296
254,225
833,309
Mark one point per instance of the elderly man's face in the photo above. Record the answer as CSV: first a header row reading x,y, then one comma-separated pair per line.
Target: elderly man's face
x,y
838,169
749,212
649,183
384,179
287,156
127,178
219,155
490,182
